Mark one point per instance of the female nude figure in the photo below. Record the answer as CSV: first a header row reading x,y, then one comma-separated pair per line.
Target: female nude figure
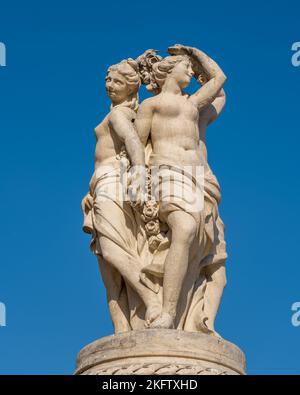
x,y
172,119
113,222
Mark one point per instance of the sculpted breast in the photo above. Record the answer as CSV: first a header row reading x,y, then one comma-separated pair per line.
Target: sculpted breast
x,y
101,129
178,107
169,108
190,111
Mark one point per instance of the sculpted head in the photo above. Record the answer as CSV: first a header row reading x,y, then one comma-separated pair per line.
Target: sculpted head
x,y
122,83
178,68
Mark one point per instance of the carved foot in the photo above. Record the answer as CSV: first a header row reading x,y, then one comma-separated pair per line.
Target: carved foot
x,y
203,326
153,311
164,321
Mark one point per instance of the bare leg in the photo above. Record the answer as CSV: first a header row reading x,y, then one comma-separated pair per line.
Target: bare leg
x,y
129,269
117,301
216,282
184,229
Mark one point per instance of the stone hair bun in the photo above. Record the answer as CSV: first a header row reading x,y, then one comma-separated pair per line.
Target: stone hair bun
x,y
133,64
146,62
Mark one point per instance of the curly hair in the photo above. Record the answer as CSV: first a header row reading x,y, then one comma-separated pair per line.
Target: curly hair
x,y
146,62
160,70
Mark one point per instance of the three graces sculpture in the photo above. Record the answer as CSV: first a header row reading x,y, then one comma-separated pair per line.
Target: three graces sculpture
x,y
152,205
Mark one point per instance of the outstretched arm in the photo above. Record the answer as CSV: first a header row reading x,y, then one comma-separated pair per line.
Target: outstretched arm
x,y
206,71
121,121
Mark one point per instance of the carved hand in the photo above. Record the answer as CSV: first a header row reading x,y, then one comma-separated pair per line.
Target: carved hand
x,y
179,49
137,185
87,202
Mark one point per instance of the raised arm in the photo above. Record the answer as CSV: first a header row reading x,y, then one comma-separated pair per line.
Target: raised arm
x,y
215,108
121,120
207,72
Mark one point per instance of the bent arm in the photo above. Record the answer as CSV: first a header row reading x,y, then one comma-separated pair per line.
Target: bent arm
x,y
143,121
122,123
210,75
215,108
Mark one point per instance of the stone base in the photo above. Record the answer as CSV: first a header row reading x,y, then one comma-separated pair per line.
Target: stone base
x,y
160,352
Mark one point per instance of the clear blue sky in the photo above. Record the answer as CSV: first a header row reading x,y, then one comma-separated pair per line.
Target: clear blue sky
x,y
52,96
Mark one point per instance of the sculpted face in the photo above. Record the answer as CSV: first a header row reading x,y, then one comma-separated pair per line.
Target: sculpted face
x,y
183,73
116,87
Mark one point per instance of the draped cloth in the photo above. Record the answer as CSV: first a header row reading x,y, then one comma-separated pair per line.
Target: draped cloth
x,y
112,218
113,221
197,193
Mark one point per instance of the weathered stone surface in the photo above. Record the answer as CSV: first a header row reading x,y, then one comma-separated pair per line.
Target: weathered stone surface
x,y
153,212
158,352
152,206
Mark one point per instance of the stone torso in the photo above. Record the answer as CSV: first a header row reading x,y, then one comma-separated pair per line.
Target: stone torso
x,y
174,129
108,144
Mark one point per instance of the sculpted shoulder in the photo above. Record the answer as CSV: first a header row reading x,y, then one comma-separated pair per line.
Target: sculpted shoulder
x,y
148,104
121,113
116,115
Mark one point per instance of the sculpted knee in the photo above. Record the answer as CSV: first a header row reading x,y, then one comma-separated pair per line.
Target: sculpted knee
x,y
219,278
107,254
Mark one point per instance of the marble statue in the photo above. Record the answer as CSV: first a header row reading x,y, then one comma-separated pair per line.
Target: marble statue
x,y
152,211
152,205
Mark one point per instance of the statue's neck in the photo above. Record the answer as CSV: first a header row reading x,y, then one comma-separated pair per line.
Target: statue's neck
x,y
130,102
171,86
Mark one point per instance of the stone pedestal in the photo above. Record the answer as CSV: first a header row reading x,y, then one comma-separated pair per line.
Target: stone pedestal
x,y
160,352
